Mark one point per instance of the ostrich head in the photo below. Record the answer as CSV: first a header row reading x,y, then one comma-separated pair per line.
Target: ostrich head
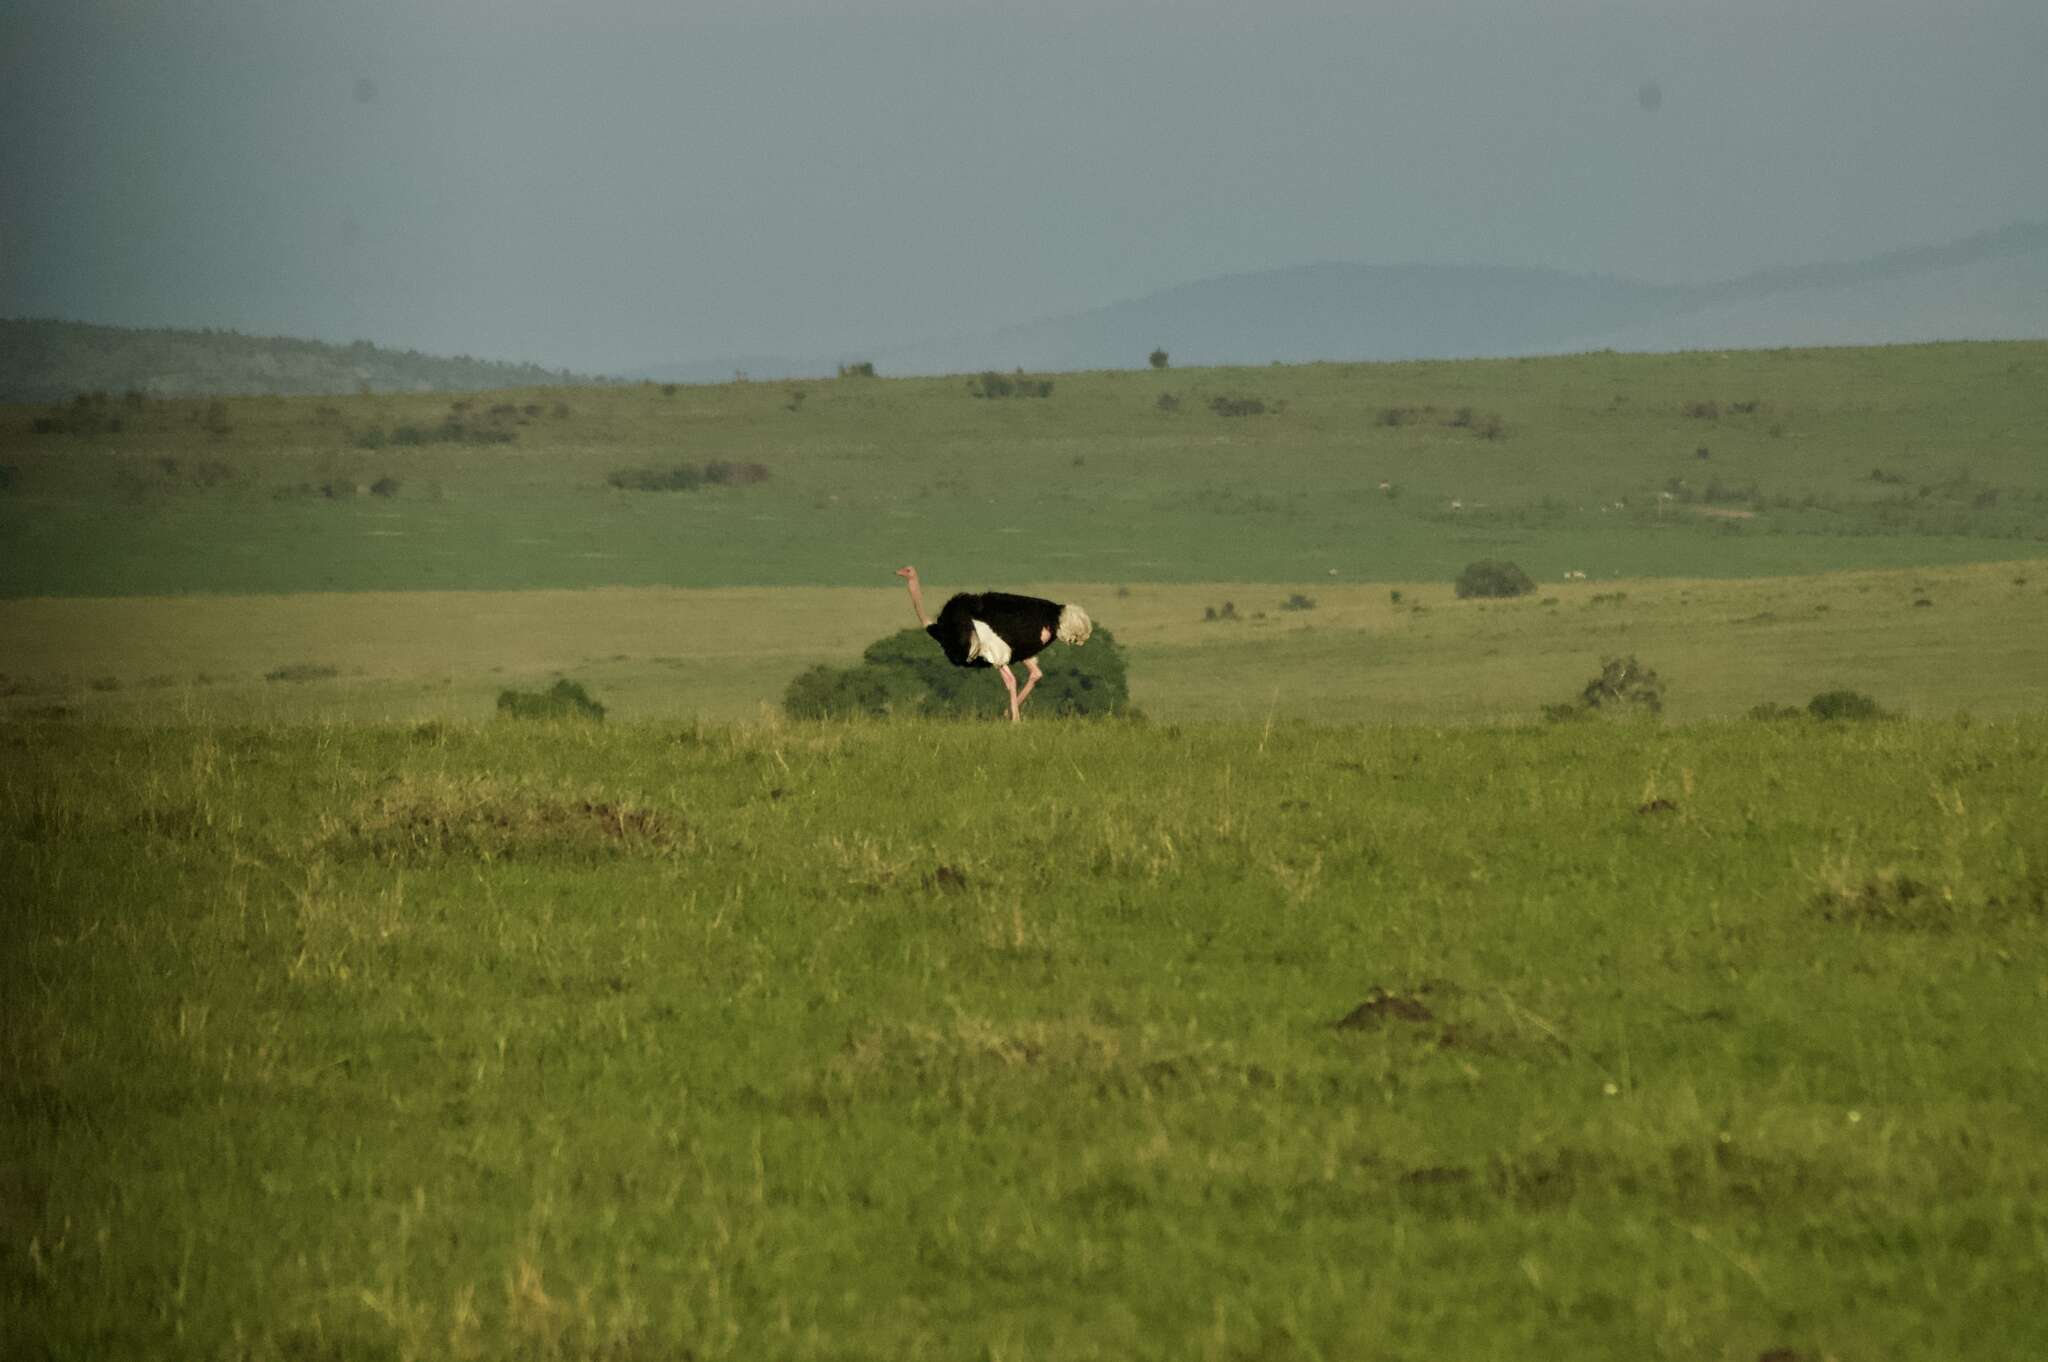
x,y
1075,626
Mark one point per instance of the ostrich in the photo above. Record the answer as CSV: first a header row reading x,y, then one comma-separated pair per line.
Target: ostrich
x,y
994,629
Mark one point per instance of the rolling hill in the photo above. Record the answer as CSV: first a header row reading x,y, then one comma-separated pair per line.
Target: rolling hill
x,y
1993,286
46,361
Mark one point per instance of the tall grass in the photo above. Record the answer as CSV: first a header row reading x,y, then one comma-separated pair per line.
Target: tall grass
x,y
948,1040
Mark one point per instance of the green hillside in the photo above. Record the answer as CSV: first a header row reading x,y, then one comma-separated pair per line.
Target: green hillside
x,y
51,361
1697,465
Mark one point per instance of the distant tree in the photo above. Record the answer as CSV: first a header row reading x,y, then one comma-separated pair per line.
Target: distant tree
x,y
1623,687
1158,359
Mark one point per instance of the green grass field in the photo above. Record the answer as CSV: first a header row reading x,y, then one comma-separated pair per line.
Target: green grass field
x,y
1817,460
1339,1008
1088,1041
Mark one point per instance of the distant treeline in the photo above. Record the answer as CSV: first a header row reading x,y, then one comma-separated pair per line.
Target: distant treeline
x,y
50,361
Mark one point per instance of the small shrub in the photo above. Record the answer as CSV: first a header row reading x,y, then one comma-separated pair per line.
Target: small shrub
x,y
993,384
303,671
565,699
450,431
1708,410
384,487
1237,406
1494,578
1844,704
684,477
680,477
1490,427
859,368
668,390
1297,601
1157,359
1167,402
1394,597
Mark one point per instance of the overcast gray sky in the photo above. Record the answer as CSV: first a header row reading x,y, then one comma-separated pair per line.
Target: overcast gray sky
x,y
613,183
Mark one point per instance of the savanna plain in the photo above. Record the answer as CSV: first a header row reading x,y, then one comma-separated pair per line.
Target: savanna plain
x,y
1338,1004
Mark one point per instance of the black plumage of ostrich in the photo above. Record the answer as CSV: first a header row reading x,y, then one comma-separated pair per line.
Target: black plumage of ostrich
x,y
995,629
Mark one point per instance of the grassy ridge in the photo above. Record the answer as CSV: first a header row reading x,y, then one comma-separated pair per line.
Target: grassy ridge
x,y
646,1041
1815,460
1934,641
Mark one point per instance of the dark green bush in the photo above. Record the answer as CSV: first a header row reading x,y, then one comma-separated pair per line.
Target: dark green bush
x,y
1843,704
906,674
1157,359
682,477
993,384
303,671
565,699
1493,577
1237,406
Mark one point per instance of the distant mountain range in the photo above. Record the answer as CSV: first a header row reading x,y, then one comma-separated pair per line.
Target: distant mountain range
x,y
1988,287
46,361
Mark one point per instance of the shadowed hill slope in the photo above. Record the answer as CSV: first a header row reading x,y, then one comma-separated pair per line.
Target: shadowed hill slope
x,y
44,361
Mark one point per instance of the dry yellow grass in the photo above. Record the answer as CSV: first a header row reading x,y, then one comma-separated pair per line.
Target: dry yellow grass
x,y
1979,645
